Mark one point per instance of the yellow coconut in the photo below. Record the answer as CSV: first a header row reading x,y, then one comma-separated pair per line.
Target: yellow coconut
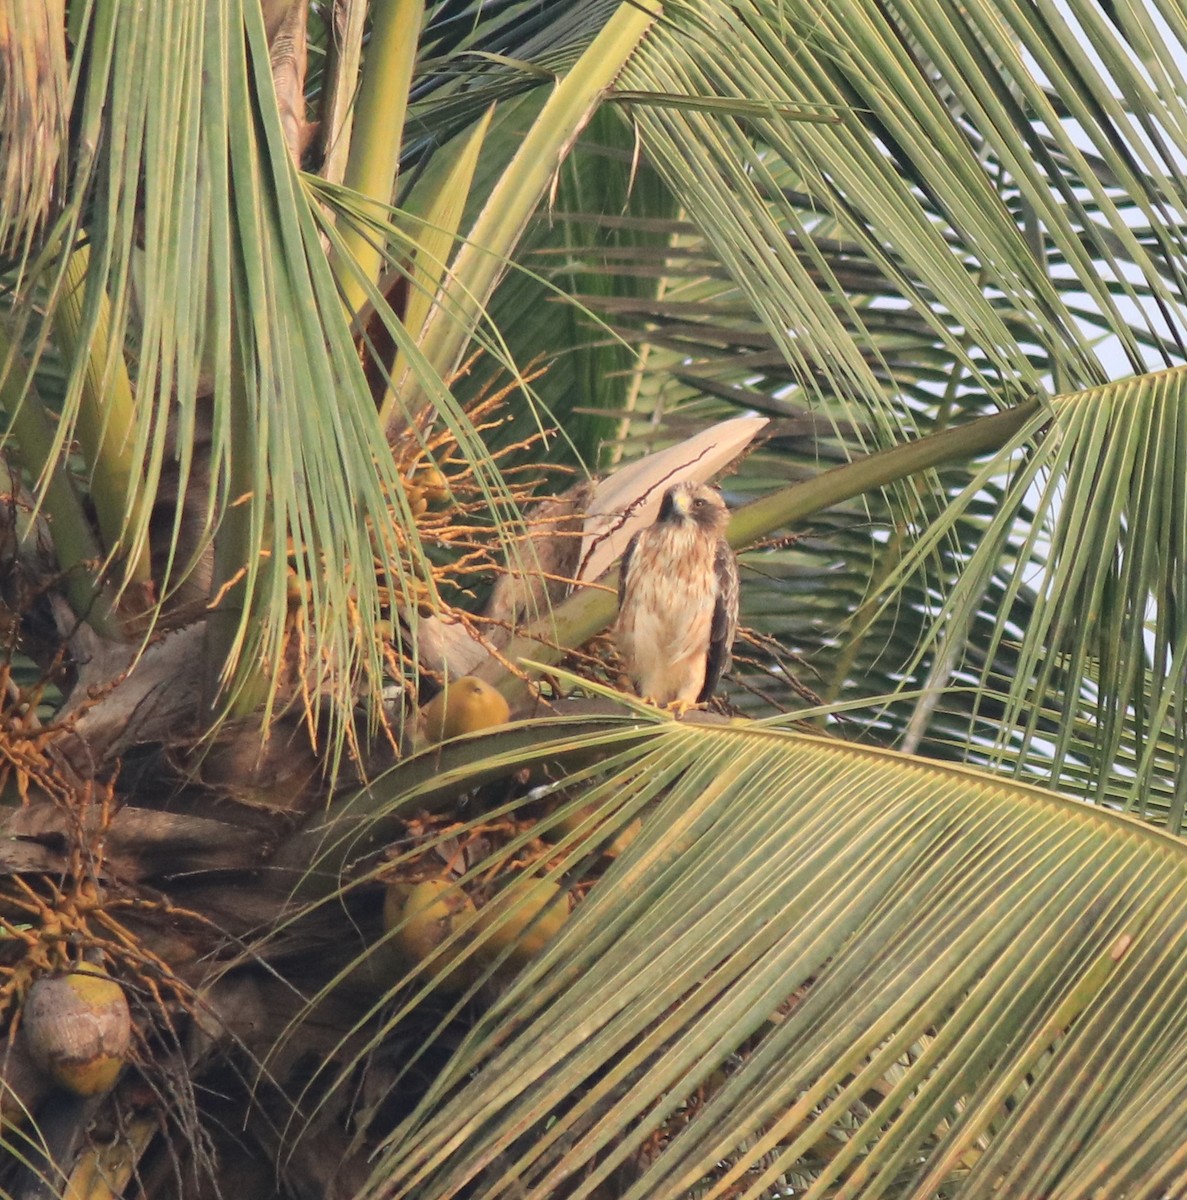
x,y
78,1029
432,483
297,591
466,705
573,820
415,496
525,915
424,916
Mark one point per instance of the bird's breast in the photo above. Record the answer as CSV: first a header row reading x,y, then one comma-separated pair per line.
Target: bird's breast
x,y
667,612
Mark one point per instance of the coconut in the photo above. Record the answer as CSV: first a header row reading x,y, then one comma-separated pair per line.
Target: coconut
x,y
423,917
78,1028
573,820
525,915
465,706
432,483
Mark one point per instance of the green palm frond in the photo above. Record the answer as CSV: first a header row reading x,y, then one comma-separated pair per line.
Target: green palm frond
x,y
923,180
1056,747
205,268
553,309
1100,641
477,54
201,297
509,204
991,218
833,968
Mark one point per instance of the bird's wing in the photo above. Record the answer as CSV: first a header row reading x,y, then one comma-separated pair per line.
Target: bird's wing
x,y
725,619
625,567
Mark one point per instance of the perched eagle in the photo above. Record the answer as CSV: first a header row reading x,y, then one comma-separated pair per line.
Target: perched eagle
x,y
678,599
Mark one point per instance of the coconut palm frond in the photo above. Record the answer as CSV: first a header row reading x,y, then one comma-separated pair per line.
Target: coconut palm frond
x,y
202,268
869,975
1097,634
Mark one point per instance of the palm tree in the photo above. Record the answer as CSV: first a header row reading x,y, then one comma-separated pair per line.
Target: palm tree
x,y
315,318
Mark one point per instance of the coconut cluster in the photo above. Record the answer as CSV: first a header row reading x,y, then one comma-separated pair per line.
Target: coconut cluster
x,y
436,923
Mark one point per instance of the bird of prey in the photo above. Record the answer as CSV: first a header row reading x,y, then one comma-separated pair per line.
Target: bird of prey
x,y
678,599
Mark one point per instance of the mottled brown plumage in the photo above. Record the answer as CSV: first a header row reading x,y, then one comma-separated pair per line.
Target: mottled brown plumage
x,y
678,599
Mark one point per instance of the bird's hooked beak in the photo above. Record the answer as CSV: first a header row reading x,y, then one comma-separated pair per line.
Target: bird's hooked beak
x,y
675,506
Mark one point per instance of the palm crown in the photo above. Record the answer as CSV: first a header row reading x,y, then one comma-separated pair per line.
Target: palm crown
x,y
307,306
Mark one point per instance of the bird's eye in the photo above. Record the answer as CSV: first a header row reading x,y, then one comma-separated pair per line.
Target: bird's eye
x,y
699,502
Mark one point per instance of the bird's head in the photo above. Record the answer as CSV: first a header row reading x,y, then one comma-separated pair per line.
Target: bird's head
x,y
694,503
